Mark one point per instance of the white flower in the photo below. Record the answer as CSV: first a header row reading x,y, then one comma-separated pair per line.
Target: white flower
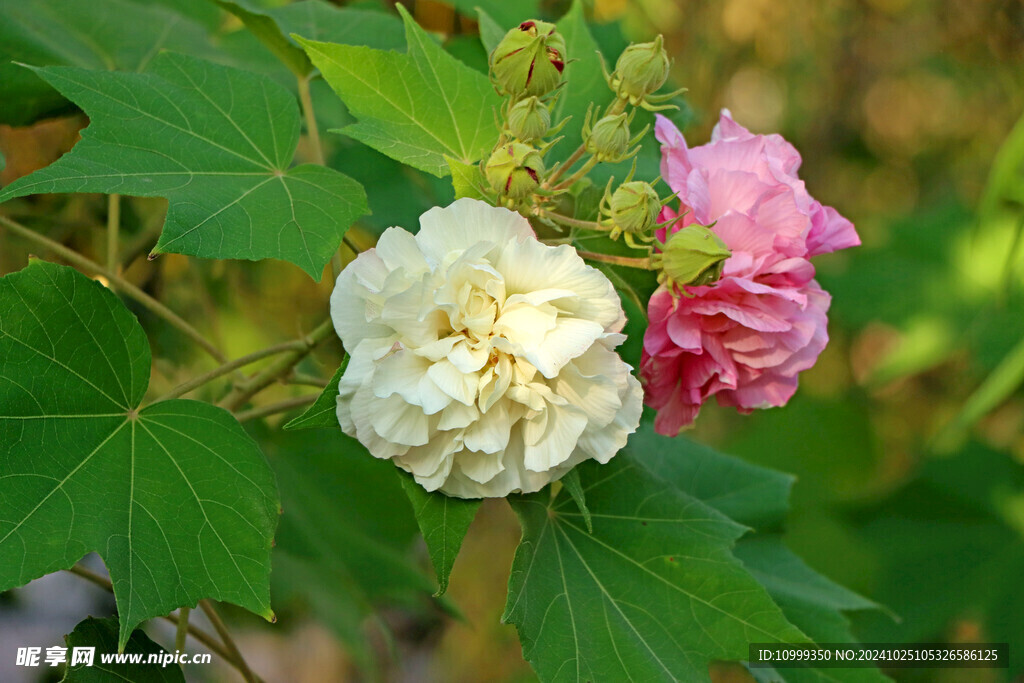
x,y
481,360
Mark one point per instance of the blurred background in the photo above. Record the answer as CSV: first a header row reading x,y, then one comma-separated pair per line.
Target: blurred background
x,y
907,437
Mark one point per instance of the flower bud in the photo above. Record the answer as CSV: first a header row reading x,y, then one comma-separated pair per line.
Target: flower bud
x,y
609,139
634,207
514,170
529,60
529,119
642,69
694,256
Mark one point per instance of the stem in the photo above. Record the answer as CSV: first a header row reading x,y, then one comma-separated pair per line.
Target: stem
x,y
123,285
584,169
628,261
274,408
113,228
196,632
307,380
279,368
222,370
225,636
576,223
311,127
182,630
564,166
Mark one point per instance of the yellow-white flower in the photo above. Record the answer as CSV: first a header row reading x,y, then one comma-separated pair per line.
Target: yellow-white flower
x,y
481,360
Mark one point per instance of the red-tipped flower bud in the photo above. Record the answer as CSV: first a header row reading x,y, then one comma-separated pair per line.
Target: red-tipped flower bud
x,y
514,170
529,60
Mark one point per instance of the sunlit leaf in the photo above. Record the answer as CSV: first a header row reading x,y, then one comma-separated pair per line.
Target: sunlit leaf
x,y
175,497
415,107
217,143
101,634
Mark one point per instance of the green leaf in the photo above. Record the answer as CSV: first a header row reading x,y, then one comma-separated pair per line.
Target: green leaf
x,y
467,179
324,411
343,546
491,32
318,20
217,143
101,634
269,33
107,34
571,482
809,600
654,593
585,82
507,14
176,498
415,107
443,521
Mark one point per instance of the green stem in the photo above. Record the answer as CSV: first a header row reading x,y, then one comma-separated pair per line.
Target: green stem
x,y
275,408
311,128
113,228
564,166
222,370
307,380
575,222
122,285
182,630
584,169
628,261
229,643
279,368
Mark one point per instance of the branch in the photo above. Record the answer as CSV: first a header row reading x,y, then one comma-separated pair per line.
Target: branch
x,y
311,127
229,643
121,284
278,369
274,408
628,261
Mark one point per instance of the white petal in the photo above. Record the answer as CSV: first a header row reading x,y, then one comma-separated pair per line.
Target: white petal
x,y
551,441
570,338
397,248
399,422
490,433
458,385
480,467
466,222
457,416
526,325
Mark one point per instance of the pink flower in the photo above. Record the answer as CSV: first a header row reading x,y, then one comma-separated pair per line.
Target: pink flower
x,y
747,337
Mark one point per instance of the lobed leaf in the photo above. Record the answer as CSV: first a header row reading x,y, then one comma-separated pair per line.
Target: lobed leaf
x,y
217,143
415,107
176,498
101,634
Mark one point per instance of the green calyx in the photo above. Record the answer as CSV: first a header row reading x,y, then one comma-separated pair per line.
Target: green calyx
x,y
634,207
642,69
693,256
529,119
514,170
609,138
529,60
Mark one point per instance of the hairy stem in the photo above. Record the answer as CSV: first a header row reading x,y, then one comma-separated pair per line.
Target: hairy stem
x,y
229,643
575,222
616,107
628,261
584,170
182,630
311,128
113,228
274,408
278,369
222,370
121,284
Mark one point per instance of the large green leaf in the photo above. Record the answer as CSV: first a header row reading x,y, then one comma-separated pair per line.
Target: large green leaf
x,y
415,107
217,143
324,411
443,521
176,498
101,634
507,13
104,34
654,593
343,546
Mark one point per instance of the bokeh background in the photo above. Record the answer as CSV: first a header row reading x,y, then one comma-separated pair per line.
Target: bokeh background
x,y
907,437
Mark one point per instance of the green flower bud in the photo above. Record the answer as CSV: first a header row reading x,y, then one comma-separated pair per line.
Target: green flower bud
x,y
514,170
529,119
642,69
609,139
634,207
694,256
529,60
